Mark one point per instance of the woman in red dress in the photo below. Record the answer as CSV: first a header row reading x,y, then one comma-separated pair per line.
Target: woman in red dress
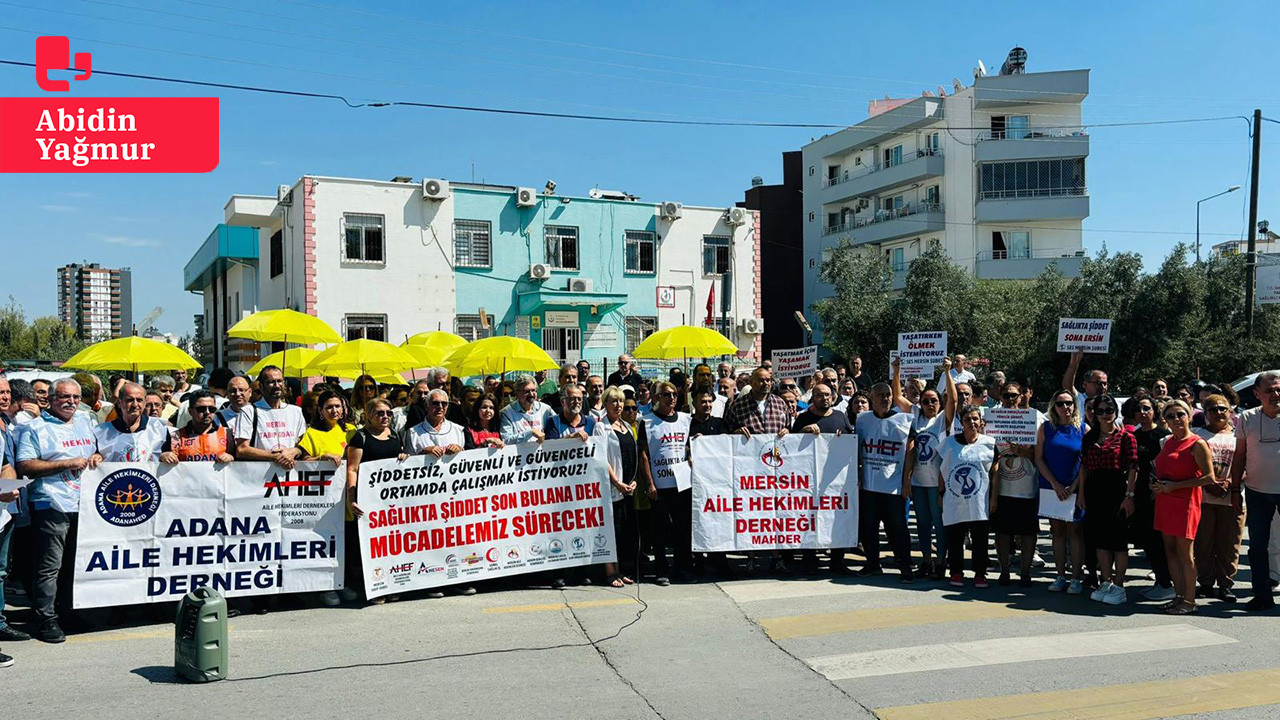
x,y
1182,467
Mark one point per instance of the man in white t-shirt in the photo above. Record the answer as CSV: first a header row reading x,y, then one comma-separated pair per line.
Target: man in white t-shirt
x,y
132,436
181,386
886,456
960,372
436,435
270,428
522,420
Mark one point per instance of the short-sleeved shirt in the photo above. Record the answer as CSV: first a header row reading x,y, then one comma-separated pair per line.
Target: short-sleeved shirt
x,y
117,444
712,425
271,429
1262,450
1222,449
882,450
831,423
966,474
316,442
423,435
50,439
200,447
517,426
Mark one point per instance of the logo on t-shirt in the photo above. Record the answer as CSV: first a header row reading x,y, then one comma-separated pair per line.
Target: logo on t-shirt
x,y
924,447
963,482
128,497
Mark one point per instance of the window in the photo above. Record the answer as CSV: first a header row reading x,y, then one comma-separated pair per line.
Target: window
x,y
562,247
363,238
715,254
811,216
933,195
810,171
640,327
366,327
997,127
1032,178
468,327
1016,127
1010,245
931,144
471,244
833,219
722,325
891,204
897,259
641,245
893,156
276,252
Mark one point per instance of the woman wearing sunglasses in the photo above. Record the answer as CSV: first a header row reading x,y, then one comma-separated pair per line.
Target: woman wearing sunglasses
x,y
1058,445
1184,464
326,439
1108,473
374,441
930,423
1150,435
364,390
624,463
1217,543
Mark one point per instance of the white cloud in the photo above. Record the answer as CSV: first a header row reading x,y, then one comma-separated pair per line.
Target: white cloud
x,y
128,241
58,208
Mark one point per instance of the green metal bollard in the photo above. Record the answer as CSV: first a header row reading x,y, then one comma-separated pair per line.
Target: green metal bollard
x,y
200,638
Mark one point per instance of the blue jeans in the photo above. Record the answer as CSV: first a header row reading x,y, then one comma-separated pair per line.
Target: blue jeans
x,y
928,507
6,532
1260,508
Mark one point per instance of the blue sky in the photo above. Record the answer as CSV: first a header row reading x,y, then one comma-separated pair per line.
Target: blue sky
x,y
789,62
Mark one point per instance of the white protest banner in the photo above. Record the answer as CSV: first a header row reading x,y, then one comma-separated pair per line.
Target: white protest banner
x,y
762,493
8,486
1089,335
797,363
152,532
922,352
1268,283
484,514
1013,425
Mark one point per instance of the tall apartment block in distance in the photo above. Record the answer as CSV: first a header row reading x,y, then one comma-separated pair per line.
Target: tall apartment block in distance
x,y
993,172
94,301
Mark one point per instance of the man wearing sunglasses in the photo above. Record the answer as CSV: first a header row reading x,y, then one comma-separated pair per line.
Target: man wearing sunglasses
x,y
1095,381
437,435
201,439
1256,465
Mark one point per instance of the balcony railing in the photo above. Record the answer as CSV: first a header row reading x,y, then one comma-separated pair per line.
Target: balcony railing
x,y
1026,254
1075,191
1031,134
883,215
865,170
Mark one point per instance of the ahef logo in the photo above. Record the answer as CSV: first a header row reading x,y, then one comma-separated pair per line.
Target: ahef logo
x,y
128,497
881,446
309,483
772,457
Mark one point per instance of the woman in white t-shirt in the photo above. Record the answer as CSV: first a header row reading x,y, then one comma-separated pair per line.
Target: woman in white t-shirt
x,y
930,424
970,487
1019,512
1217,543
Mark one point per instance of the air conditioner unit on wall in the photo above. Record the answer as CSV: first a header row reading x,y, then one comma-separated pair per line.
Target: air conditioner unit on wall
x,y
433,189
582,285
284,195
737,216
752,326
539,271
672,210
526,197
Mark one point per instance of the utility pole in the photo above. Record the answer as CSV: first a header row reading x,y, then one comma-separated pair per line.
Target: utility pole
x,y
1251,256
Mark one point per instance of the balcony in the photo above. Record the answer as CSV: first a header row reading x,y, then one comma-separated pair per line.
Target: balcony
x,y
871,179
1006,145
1071,203
1062,86
1025,265
910,219
875,130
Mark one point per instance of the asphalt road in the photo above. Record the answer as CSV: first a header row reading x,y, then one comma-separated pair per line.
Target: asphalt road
x,y
812,647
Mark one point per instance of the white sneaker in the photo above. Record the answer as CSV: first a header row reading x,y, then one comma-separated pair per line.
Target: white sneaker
x,y
1101,592
349,595
1155,592
1116,595
331,599
1058,585
1075,588
1037,561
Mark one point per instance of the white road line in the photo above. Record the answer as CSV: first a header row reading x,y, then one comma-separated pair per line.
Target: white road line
x,y
1001,651
780,590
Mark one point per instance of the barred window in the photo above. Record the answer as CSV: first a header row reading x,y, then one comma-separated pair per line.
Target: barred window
x,y
468,327
640,327
366,327
715,254
471,244
363,238
562,247
640,251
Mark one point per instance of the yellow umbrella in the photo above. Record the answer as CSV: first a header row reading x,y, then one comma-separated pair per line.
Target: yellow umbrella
x,y
436,339
284,326
684,341
359,357
133,353
495,355
291,361
426,357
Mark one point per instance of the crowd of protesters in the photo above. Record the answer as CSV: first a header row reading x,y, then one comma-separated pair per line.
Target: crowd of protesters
x,y
1177,476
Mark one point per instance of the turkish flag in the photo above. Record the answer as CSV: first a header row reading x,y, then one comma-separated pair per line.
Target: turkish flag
x,y
711,305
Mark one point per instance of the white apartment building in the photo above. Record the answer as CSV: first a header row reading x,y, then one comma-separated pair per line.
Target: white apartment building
x,y
993,172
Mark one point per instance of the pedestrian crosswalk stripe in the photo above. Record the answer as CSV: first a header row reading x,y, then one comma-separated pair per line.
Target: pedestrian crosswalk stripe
x,y
879,618
544,607
948,656
781,590
1137,701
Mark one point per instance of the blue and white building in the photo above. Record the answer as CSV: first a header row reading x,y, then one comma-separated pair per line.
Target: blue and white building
x,y
582,277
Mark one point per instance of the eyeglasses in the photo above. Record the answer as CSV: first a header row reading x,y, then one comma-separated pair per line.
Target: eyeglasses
x,y
1175,415
929,401
667,393
629,408
202,409
439,403
381,413
1105,412
1064,403
1218,408
1011,396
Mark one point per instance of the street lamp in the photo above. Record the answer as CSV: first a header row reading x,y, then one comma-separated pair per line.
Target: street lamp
x,y
1231,189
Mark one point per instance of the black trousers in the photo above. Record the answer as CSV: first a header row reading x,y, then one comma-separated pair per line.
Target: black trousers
x,y
891,510
980,532
626,537
673,529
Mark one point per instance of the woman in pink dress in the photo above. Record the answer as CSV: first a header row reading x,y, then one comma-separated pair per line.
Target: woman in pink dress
x,y
1182,467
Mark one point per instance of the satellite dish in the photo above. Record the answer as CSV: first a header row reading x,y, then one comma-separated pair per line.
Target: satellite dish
x,y
956,85
981,71
941,91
